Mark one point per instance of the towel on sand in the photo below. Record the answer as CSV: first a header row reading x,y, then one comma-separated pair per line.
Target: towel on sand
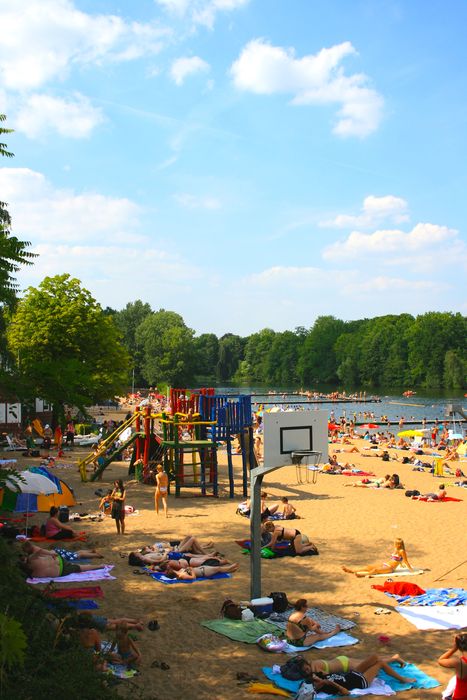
x,y
434,596
382,685
95,575
325,619
162,578
76,593
438,500
79,537
278,646
250,631
435,618
400,571
399,588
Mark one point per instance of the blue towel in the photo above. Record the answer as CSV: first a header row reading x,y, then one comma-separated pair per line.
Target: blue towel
x,y
434,596
76,604
411,671
162,578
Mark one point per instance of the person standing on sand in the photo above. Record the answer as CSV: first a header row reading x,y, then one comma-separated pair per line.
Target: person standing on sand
x,y
118,506
162,487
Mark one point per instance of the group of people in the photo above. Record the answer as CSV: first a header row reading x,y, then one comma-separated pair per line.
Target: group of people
x,y
186,559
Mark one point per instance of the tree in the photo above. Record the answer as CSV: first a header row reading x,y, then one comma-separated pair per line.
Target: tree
x,y
207,354
429,338
257,349
318,362
167,347
128,320
67,350
230,355
13,252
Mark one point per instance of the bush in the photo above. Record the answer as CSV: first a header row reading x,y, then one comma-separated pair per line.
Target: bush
x,y
49,661
83,428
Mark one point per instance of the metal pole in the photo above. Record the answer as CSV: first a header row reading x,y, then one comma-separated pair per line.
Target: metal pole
x,y
255,534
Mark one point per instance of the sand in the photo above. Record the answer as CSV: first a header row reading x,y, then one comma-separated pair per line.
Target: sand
x,y
350,525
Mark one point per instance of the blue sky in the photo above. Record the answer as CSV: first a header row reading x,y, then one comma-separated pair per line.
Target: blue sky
x,y
246,163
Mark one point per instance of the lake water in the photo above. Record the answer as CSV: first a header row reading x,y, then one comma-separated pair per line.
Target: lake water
x,y
393,405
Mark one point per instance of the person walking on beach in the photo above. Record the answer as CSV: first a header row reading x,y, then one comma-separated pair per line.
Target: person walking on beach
x,y
162,487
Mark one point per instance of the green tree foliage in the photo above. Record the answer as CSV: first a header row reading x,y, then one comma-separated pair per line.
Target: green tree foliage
x,y
128,320
318,361
231,349
257,349
67,350
13,252
430,337
167,347
455,369
282,360
206,348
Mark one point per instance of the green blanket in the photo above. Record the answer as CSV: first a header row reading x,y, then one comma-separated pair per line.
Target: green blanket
x,y
246,631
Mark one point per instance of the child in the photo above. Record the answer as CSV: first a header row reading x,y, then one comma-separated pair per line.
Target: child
x,y
288,510
127,652
105,504
162,486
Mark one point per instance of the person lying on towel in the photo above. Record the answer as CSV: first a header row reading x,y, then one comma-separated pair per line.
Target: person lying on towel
x,y
48,564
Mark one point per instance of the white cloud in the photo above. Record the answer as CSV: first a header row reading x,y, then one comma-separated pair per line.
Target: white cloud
x,y
44,214
200,12
183,67
38,114
389,242
43,39
190,201
314,79
373,211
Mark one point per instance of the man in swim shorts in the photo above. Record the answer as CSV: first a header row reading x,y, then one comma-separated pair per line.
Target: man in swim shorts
x,y
43,563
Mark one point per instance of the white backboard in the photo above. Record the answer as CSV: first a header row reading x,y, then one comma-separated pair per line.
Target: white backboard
x,y
286,432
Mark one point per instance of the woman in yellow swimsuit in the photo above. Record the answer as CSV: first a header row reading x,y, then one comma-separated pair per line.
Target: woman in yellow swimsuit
x,y
343,664
399,556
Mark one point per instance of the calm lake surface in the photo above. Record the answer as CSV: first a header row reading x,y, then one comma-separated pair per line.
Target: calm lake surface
x,y
393,405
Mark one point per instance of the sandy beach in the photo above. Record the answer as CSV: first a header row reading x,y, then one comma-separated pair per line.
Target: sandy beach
x,y
353,526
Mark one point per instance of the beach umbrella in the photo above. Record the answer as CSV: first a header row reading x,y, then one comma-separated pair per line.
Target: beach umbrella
x,y
333,426
31,483
455,436
369,426
411,433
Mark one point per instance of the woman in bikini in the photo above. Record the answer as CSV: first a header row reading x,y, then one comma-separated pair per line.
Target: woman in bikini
x,y
162,487
344,664
457,664
193,572
301,630
300,544
398,557
340,683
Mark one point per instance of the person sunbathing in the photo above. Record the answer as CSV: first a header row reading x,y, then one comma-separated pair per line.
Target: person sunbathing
x,y
301,630
66,554
299,543
342,683
440,495
398,557
192,573
343,664
40,564
457,664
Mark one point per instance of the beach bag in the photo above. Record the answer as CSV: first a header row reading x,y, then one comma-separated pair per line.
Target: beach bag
x,y
412,492
272,643
231,610
306,692
292,669
279,602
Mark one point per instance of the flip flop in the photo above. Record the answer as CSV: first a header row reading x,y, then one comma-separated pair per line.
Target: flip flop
x,y
164,666
138,572
153,626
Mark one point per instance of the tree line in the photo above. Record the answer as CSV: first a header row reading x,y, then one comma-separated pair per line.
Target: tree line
x,y
428,351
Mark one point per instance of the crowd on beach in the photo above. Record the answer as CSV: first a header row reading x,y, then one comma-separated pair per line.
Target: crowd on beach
x,y
190,559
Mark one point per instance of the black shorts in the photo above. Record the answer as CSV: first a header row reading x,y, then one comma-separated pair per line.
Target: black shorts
x,y
355,680
69,568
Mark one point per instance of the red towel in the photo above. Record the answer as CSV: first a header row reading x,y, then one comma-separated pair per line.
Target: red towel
x,y
347,472
80,537
440,500
400,588
84,592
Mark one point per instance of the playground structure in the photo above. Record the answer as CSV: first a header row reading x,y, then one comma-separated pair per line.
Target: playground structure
x,y
184,439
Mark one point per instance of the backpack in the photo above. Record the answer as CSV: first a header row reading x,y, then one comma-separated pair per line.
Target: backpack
x,y
413,492
279,602
292,669
231,610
